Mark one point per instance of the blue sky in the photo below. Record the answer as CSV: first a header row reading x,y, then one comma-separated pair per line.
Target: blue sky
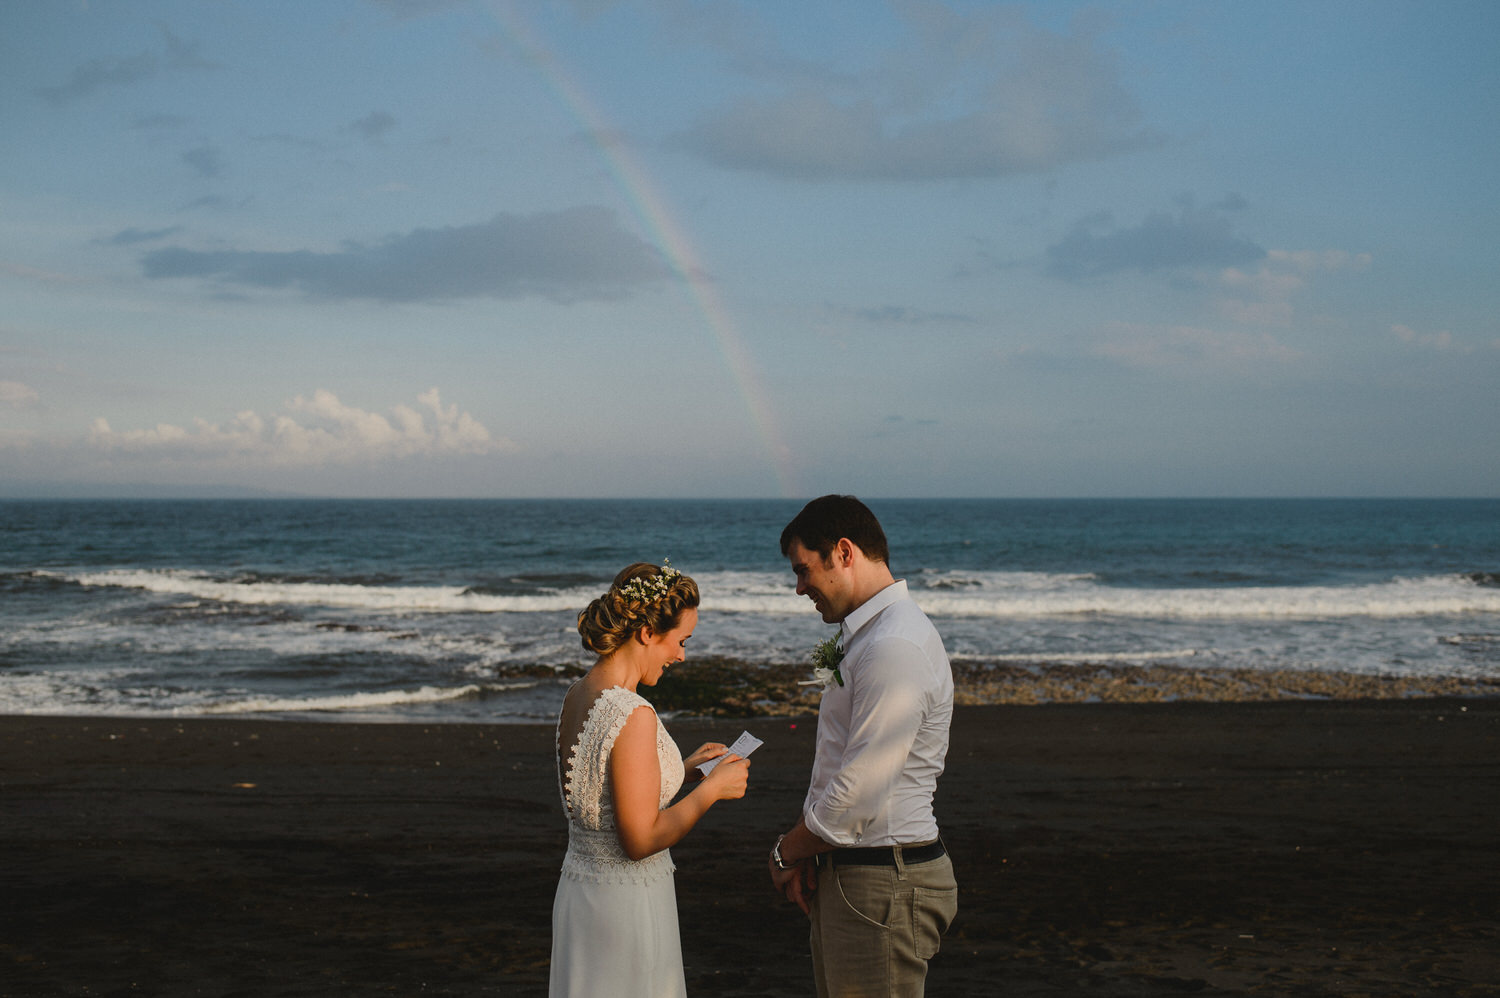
x,y
430,248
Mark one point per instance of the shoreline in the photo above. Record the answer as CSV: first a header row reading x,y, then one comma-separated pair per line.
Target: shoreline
x,y
1291,847
726,689
723,688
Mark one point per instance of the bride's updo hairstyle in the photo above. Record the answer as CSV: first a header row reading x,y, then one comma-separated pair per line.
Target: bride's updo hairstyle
x,y
642,595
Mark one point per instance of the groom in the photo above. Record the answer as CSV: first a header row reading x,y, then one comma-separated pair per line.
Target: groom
x,y
865,861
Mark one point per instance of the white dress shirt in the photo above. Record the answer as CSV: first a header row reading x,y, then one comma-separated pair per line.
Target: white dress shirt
x,y
883,735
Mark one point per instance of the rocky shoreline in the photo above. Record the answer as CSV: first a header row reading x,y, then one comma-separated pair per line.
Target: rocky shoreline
x,y
724,688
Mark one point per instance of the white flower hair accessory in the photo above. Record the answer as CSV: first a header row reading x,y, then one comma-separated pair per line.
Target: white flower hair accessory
x,y
649,589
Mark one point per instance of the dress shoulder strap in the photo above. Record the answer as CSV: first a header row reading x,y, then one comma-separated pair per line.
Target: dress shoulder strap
x,y
586,780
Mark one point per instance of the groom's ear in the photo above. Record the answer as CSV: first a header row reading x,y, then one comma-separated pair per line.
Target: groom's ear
x,y
843,552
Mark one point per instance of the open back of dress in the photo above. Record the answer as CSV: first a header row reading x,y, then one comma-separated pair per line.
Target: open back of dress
x,y
614,920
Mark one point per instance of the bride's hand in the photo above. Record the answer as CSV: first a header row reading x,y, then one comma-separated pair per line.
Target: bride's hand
x,y
729,778
704,752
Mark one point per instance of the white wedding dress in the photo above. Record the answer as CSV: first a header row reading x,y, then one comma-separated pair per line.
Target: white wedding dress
x,y
614,919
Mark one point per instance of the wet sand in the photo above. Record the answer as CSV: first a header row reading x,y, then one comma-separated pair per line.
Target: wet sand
x,y
1295,847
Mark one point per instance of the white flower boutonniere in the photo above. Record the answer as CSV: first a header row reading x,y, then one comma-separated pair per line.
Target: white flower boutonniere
x,y
826,658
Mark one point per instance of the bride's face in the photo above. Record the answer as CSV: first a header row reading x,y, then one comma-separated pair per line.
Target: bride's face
x,y
664,650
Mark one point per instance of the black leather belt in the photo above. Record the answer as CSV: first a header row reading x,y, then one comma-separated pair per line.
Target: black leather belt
x,y
886,855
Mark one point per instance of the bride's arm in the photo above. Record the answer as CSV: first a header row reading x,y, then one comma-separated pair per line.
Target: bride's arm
x,y
644,829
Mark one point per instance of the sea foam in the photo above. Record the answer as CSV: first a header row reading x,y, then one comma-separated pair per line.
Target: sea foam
x,y
970,594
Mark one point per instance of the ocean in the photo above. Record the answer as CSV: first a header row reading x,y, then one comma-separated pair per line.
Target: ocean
x,y
455,610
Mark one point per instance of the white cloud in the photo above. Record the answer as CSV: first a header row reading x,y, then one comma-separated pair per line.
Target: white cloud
x,y
1262,296
1184,347
25,272
1441,341
316,430
16,395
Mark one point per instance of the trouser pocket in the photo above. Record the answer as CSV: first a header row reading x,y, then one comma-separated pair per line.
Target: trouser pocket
x,y
867,894
932,911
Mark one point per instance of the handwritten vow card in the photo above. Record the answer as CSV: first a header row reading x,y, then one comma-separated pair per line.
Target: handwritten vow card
x,y
742,747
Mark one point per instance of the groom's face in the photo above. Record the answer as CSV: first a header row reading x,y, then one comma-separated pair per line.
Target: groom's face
x,y
821,580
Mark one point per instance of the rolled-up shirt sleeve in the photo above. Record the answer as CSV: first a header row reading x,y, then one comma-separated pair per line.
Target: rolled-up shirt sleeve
x,y
888,704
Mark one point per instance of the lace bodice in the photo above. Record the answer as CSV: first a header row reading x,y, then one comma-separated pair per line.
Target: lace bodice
x,y
594,850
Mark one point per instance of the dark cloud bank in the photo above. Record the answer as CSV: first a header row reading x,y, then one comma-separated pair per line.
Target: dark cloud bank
x,y
1096,247
570,255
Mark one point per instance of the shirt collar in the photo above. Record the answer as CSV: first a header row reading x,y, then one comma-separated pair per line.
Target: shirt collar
x,y
867,611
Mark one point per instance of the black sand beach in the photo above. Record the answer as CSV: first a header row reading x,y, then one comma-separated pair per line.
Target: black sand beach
x,y
1296,847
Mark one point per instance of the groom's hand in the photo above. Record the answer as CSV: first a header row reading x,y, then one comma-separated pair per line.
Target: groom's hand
x,y
804,883
797,884
781,879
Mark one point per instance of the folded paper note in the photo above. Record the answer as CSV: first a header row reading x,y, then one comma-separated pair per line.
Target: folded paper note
x,y
742,747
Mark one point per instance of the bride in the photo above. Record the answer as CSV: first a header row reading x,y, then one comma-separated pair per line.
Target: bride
x,y
614,919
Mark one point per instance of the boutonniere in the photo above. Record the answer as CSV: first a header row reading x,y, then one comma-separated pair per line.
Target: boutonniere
x,y
826,658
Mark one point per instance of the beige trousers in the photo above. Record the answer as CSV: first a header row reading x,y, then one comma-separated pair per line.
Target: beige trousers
x,y
875,927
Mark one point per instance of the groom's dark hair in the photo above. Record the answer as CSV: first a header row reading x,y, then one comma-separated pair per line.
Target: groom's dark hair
x,y
826,519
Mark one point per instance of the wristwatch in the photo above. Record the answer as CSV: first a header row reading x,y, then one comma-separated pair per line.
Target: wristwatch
x,y
776,855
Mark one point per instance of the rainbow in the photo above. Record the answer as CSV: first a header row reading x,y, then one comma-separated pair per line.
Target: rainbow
x,y
650,206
